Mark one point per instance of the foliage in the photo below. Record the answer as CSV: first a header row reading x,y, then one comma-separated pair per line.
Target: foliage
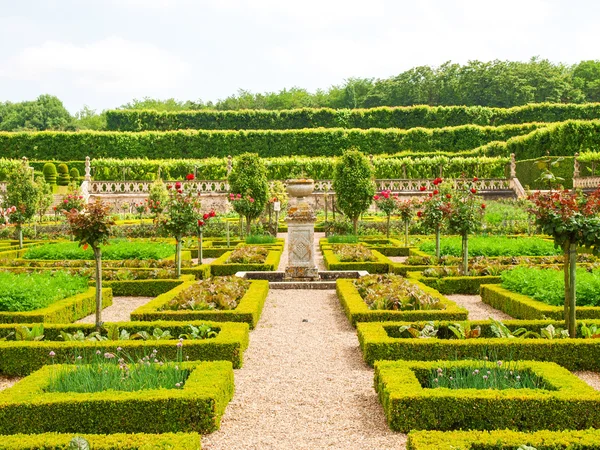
x,y
248,178
248,254
434,208
257,239
494,246
158,198
28,292
391,292
117,250
49,172
464,211
182,212
220,293
353,253
46,112
342,239
22,192
72,201
386,202
92,225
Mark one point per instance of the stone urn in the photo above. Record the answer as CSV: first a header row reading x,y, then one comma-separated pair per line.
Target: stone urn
x,y
300,187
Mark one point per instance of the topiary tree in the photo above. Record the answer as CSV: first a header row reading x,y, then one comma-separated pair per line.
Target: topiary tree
x,y
353,185
248,179
74,174
49,172
63,175
91,226
433,210
157,199
23,193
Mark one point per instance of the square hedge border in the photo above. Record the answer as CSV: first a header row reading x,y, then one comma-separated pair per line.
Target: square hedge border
x,y
524,307
332,262
197,407
19,358
139,441
145,288
248,310
357,310
456,285
409,406
574,354
502,439
66,310
219,267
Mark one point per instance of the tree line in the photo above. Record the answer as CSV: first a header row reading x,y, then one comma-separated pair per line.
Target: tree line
x,y
493,83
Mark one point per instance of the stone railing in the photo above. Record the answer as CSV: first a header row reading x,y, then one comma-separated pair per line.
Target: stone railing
x,y
143,187
586,182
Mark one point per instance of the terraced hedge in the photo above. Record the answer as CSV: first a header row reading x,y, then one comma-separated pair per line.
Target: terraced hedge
x,y
383,117
66,146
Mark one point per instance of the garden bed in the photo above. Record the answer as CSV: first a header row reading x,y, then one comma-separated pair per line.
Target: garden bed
x,y
18,358
379,264
196,407
382,341
248,309
494,246
221,266
572,404
358,311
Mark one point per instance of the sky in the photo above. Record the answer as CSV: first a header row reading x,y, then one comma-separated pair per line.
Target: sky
x,y
104,53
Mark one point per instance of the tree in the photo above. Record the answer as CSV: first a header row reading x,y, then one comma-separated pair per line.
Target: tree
x,y
47,112
45,196
405,209
248,179
157,199
571,218
91,226
23,193
386,203
88,119
433,210
353,185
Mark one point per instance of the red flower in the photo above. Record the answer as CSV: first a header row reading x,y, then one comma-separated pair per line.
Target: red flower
x,y
376,197
430,194
448,196
178,185
437,181
189,176
200,223
473,191
436,192
180,191
205,216
238,196
483,206
422,188
169,186
212,213
475,178
419,213
251,200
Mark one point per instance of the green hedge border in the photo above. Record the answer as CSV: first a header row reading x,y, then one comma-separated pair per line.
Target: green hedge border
x,y
377,344
332,262
357,310
197,407
19,358
219,268
145,288
67,310
408,406
456,285
524,307
248,310
121,441
502,439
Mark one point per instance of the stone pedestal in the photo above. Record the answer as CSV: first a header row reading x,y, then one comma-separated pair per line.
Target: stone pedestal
x,y
301,229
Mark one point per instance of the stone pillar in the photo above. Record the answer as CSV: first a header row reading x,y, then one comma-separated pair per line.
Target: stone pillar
x,y
513,166
301,229
88,169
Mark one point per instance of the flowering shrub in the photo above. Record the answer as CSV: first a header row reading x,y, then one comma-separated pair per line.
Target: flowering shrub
x,y
405,210
72,201
393,292
432,212
141,208
387,203
5,214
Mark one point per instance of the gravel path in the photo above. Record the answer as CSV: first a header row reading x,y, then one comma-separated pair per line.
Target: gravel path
x,y
591,378
304,385
6,382
477,309
119,311
398,259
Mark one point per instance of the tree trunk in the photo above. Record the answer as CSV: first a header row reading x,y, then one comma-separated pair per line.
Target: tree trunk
x,y
20,231
98,258
178,257
465,245
437,242
248,225
200,246
355,225
572,285
567,274
406,233
241,227
387,227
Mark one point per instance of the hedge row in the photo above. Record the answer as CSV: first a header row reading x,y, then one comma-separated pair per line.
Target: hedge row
x,y
197,407
19,358
357,310
410,406
380,341
248,310
503,440
58,441
383,117
203,144
524,307
469,285
144,288
332,262
67,310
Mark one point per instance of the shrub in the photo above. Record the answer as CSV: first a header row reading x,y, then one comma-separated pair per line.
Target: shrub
x,y
74,174
63,175
49,172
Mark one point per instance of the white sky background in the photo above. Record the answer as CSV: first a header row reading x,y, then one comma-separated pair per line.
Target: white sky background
x,y
104,53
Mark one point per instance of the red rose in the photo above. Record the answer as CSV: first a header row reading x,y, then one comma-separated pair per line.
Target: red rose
x,y
430,194
189,176
475,178
178,185
419,213
376,197
473,191
422,188
200,223
483,206
251,200
169,186
205,216
180,191
448,196
436,192
212,213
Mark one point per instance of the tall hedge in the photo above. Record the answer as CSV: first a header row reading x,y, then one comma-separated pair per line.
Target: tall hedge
x,y
382,117
48,145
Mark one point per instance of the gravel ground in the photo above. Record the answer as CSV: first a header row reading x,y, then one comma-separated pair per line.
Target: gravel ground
x,y
119,311
6,382
304,385
204,261
477,309
591,378
398,259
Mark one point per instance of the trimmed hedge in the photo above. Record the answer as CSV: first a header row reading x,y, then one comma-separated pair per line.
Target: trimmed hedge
x,y
201,272
456,285
409,406
378,342
357,310
332,262
219,267
145,288
266,143
524,307
503,440
56,441
248,310
19,358
197,407
67,310
382,117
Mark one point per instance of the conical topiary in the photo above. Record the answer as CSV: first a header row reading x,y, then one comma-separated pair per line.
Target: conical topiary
x,y
63,175
49,172
74,172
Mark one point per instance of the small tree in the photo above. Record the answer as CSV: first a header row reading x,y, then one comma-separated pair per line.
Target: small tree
x,y
405,209
201,222
571,218
181,217
22,192
157,199
465,215
353,185
91,226
45,197
248,178
386,203
432,212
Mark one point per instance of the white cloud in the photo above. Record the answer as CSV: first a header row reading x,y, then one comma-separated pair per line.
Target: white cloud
x,y
110,65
